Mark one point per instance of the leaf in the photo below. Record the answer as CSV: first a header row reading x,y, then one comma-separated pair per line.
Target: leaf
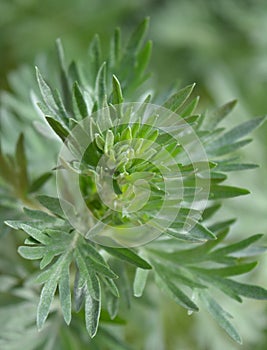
x,y
197,231
16,224
196,254
65,84
228,271
53,243
100,85
246,290
87,276
35,233
115,48
86,282
31,253
136,39
216,116
109,141
48,292
219,192
210,211
139,282
126,134
92,314
172,290
95,56
41,215
229,148
180,277
74,72
234,270
235,134
183,236
222,225
65,294
46,92
143,58
220,316
22,166
112,305
39,182
80,101
200,231
58,128
190,108
179,98
232,248
61,110
235,166
117,93
111,286
129,256
52,204
78,292
96,261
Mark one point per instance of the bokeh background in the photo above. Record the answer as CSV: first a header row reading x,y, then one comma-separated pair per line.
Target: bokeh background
x,y
222,46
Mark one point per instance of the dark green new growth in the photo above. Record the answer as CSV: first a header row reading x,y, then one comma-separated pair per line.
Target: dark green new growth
x,y
83,279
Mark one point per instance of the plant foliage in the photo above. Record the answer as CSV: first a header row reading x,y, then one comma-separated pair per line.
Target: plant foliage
x,y
83,279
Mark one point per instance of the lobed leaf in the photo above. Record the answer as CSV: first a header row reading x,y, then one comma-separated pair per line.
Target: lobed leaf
x,y
56,273
246,290
221,151
216,116
235,134
232,248
172,290
87,275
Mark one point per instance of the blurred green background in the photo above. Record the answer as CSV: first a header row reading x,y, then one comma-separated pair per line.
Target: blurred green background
x,y
222,46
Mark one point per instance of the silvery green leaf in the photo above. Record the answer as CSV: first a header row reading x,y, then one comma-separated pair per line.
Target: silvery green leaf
x,y
129,256
177,100
220,316
140,282
92,314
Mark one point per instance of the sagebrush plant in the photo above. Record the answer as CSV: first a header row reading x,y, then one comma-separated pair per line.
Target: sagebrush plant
x,y
139,178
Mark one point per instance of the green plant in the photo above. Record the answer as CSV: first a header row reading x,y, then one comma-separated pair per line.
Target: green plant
x,y
148,159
